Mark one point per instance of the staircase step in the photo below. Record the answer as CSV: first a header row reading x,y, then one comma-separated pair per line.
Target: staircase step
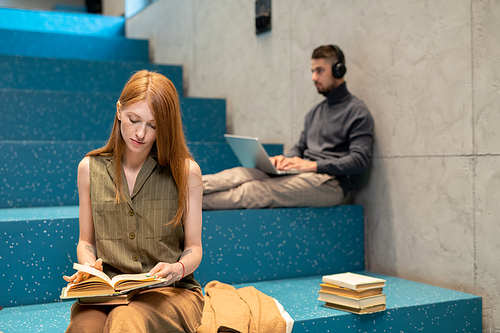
x,y
204,119
38,247
66,46
43,173
411,307
49,317
40,173
69,8
59,22
73,116
31,73
242,246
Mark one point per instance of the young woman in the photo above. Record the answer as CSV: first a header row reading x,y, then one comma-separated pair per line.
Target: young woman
x,y
140,211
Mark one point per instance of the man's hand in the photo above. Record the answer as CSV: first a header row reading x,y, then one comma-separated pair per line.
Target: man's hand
x,y
276,161
287,163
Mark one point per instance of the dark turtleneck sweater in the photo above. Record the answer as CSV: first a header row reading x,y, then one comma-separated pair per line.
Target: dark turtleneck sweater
x,y
338,136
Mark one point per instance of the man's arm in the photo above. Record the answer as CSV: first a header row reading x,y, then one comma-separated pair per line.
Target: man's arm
x,y
298,149
358,157
355,161
293,159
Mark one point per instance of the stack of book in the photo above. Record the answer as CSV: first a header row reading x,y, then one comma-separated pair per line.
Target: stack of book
x,y
353,293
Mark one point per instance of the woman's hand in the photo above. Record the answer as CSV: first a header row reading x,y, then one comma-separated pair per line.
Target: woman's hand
x,y
171,272
80,276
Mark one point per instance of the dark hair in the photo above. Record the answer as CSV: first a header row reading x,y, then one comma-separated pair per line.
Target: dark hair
x,y
325,52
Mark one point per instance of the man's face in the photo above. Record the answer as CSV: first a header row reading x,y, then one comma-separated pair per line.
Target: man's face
x,y
322,75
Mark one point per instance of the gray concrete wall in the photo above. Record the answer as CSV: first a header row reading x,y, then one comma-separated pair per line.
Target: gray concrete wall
x,y
430,73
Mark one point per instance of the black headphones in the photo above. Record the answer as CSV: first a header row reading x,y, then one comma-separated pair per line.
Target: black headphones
x,y
338,68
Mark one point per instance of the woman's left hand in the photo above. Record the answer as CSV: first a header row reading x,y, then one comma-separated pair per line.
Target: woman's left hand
x,y
171,272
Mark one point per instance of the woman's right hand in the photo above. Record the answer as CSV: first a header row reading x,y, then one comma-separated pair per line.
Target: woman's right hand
x,y
80,276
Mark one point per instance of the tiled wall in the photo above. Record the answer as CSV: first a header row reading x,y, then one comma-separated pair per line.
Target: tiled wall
x,y
428,70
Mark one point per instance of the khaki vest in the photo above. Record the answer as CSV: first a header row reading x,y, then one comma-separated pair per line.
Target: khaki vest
x,y
132,236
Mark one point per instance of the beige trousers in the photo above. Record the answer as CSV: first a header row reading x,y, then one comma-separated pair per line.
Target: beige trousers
x,y
240,188
165,310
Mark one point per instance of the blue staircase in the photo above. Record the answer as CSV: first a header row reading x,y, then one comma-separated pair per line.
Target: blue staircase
x,y
60,77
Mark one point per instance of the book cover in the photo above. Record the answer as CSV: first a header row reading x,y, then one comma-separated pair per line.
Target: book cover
x,y
369,309
354,281
352,302
118,299
337,290
99,284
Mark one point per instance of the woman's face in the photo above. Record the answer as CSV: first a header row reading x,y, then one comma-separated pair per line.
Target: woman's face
x,y
138,127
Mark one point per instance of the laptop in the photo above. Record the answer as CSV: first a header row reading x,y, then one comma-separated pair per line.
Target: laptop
x,y
252,154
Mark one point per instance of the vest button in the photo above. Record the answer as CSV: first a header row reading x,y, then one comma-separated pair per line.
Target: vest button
x,y
131,235
131,212
135,257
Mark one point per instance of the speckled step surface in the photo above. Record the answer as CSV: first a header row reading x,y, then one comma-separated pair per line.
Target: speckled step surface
x,y
38,73
38,247
411,307
46,318
67,46
32,73
77,116
44,173
60,22
269,244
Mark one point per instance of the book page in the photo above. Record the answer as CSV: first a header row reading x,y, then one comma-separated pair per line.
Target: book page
x,y
93,271
131,277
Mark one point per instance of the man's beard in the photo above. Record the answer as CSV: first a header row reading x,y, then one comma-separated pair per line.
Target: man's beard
x,y
324,90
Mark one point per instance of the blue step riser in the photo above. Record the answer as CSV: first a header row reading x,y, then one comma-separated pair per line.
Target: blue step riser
x,y
18,72
35,254
441,318
34,257
204,119
56,22
259,245
39,115
34,174
38,174
65,46
70,8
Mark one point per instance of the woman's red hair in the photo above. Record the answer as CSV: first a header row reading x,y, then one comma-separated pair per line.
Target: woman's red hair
x,y
170,147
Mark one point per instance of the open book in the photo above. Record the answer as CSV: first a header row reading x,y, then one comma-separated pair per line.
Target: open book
x,y
99,284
